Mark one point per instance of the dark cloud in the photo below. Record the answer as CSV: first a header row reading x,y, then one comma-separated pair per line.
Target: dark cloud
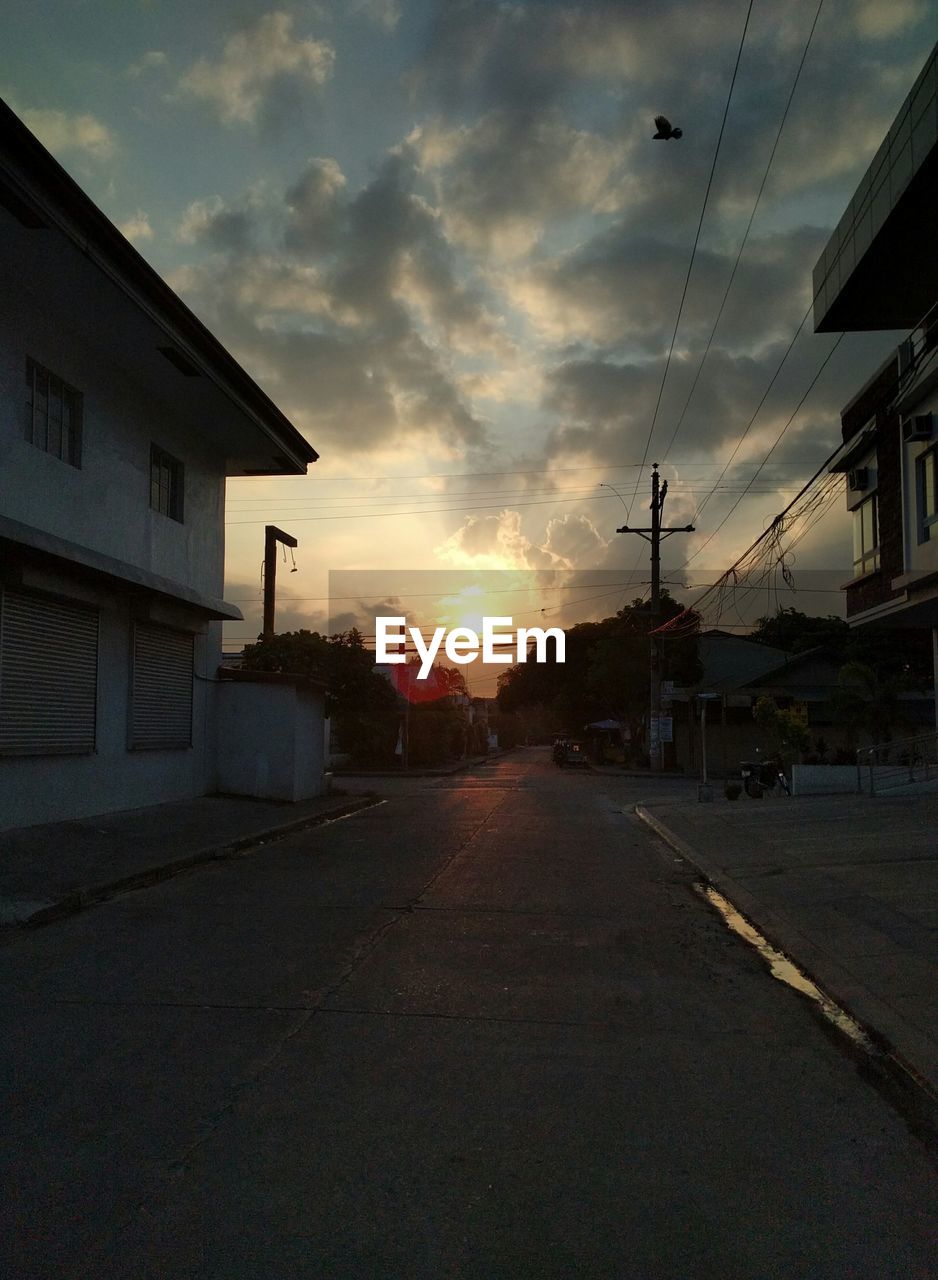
x,y
330,317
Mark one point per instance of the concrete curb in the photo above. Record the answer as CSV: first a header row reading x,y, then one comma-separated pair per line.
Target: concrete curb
x,y
85,896
908,1053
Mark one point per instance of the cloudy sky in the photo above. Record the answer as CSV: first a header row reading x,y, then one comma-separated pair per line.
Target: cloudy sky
x,y
441,237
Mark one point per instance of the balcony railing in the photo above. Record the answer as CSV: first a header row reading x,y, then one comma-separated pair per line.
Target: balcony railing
x,y
900,763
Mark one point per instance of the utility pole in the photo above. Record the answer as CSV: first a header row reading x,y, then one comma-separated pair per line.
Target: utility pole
x,y
654,536
272,535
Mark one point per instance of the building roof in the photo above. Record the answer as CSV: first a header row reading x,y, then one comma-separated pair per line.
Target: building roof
x,y
878,270
728,662
51,217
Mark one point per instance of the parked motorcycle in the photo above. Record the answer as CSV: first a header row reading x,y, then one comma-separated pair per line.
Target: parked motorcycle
x,y
760,776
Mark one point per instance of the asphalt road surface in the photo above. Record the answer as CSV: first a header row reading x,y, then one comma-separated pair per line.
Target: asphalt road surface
x,y
486,1029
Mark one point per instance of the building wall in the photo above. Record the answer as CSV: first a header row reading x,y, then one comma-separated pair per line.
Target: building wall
x,y
270,740
920,557
50,788
105,504
872,404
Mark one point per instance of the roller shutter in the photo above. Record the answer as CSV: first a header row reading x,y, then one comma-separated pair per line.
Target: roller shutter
x,y
162,688
48,675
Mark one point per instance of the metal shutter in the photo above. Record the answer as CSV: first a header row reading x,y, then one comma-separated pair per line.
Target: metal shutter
x,y
162,688
48,675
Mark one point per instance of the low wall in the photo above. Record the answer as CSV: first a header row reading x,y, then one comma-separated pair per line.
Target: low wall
x,y
823,779
270,741
841,779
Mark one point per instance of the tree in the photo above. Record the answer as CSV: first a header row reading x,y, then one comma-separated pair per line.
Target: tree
x,y
789,731
891,651
866,701
606,672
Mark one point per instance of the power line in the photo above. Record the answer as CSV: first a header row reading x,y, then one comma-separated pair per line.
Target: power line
x,y
421,511
748,228
690,265
775,445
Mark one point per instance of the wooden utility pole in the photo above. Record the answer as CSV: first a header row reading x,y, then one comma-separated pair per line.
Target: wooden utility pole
x,y
654,536
272,535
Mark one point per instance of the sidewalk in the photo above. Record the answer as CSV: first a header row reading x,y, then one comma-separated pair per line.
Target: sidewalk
x,y
845,886
56,869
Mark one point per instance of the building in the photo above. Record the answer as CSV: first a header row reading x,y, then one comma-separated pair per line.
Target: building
x,y
735,673
880,271
120,418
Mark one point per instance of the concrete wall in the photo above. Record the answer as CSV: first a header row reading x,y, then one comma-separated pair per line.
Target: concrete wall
x,y
105,504
270,741
823,779
52,788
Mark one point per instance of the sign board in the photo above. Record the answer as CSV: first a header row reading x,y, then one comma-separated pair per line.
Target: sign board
x,y
667,690
662,729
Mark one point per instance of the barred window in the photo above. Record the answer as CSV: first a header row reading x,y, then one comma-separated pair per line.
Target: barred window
x,y
166,483
53,414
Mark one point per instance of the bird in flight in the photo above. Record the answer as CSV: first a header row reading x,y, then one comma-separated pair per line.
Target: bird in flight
x,y
663,125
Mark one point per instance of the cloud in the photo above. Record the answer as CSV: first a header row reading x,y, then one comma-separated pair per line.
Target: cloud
x,y
880,21
252,64
499,542
348,314
153,60
507,177
494,542
316,205
61,133
217,224
137,227
620,287
386,13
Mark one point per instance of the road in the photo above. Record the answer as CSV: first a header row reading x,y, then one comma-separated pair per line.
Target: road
x,y
485,1029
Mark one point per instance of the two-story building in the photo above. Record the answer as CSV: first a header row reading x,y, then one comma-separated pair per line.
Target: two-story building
x,y
879,271
120,418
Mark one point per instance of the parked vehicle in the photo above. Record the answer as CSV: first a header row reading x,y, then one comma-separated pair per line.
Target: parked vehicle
x,y
763,775
571,752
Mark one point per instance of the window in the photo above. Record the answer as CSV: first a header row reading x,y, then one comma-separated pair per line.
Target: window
x,y
53,414
166,481
926,469
48,675
865,537
161,714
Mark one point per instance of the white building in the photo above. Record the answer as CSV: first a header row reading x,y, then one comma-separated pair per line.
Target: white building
x,y
120,418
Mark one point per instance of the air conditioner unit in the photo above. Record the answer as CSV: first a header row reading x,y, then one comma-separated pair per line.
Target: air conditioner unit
x,y
858,479
919,427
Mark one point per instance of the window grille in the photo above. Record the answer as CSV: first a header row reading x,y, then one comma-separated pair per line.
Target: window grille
x,y
53,414
166,483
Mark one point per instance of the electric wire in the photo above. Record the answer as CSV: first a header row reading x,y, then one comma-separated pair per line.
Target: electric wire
x,y
690,265
745,238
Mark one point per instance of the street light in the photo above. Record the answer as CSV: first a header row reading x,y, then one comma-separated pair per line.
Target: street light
x,y
704,790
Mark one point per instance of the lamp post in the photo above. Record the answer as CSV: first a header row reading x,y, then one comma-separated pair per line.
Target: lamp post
x,y
704,790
